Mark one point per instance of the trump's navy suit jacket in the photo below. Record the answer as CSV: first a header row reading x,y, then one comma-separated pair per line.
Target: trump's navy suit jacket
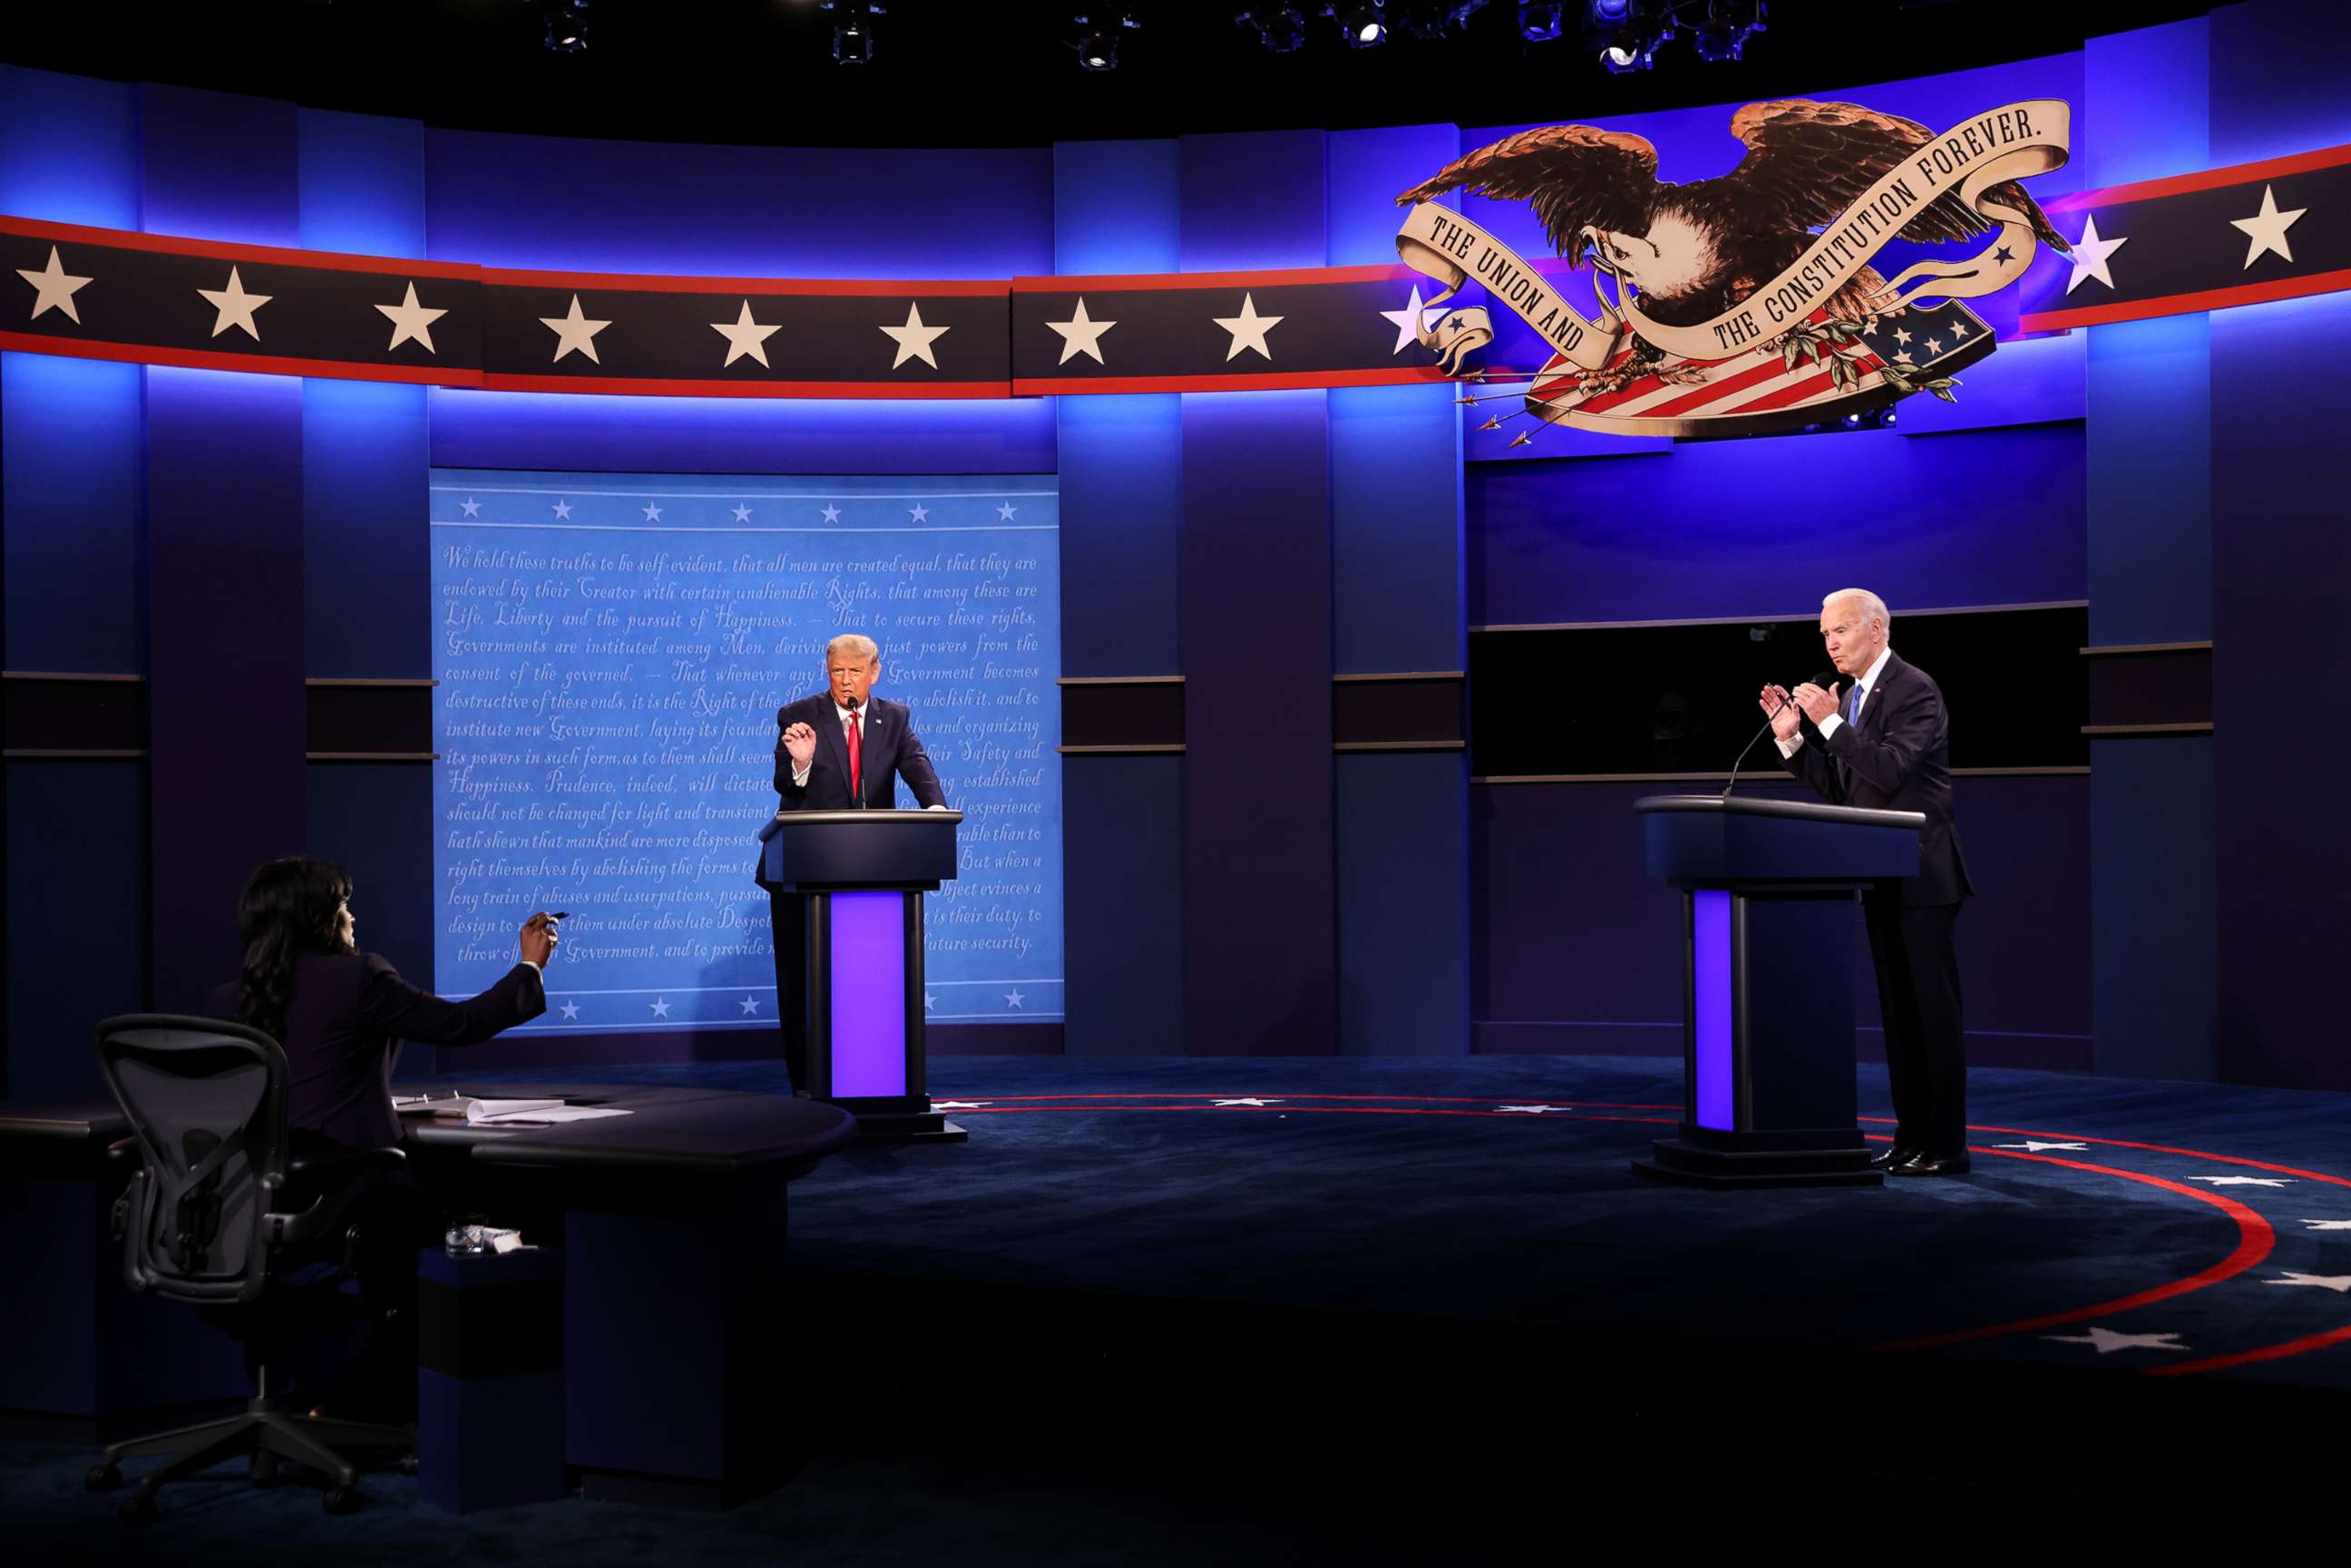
x,y
889,750
1897,759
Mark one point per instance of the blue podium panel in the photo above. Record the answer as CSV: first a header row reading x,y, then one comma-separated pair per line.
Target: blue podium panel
x,y
868,1005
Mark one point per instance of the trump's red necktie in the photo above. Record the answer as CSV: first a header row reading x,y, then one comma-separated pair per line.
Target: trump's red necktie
x,y
856,761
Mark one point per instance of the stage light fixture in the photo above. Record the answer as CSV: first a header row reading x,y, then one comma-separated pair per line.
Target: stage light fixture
x,y
1365,25
1434,18
854,38
1541,21
1280,28
565,25
1097,43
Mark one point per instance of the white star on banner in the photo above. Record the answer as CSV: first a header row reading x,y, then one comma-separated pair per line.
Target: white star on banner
x,y
660,1006
236,307
913,338
473,507
750,1004
745,336
1934,347
2266,229
2033,1148
1959,330
2090,254
410,321
1081,336
742,514
1013,998
1532,1110
571,1009
921,514
54,289
832,514
2244,1181
651,512
1408,321
1249,329
1900,336
2108,1342
2338,1283
1250,1102
2328,1224
1006,511
929,1000
562,509
959,1104
574,330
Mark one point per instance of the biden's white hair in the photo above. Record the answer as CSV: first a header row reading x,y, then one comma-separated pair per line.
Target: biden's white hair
x,y
854,643
1872,606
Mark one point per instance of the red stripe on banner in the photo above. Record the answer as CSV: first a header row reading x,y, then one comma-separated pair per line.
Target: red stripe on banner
x,y
1270,380
1794,392
2203,180
1418,1099
1113,282
1730,386
2184,304
2155,1149
258,364
648,386
2247,1357
649,282
2254,1239
225,250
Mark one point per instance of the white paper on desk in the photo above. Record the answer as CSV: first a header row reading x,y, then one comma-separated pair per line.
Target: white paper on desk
x,y
557,1114
504,1110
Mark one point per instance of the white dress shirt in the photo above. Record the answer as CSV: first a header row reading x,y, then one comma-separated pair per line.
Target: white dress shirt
x,y
1865,685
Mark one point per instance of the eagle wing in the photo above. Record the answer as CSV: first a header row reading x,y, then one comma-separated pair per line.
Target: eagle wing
x,y
1570,174
1807,161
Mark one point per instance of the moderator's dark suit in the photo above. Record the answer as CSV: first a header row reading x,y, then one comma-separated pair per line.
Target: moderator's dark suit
x,y
889,750
1899,759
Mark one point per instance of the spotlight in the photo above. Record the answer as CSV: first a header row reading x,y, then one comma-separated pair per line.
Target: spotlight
x,y
567,24
1627,51
852,34
1539,21
1280,28
1364,25
1729,25
1097,46
1434,18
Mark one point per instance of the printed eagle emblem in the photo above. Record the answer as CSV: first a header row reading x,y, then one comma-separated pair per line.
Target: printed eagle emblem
x,y
1693,251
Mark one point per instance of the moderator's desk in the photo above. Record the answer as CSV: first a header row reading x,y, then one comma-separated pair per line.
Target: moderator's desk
x,y
673,1223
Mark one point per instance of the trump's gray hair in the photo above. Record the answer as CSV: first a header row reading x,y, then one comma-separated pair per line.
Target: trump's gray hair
x,y
856,644
1872,606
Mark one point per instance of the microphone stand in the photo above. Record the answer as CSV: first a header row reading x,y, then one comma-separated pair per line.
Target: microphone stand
x,y
1750,746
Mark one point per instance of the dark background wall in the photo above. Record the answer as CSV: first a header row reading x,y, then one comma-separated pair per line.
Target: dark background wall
x,y
2165,913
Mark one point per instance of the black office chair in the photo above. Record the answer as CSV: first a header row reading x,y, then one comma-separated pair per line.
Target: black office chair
x,y
216,1204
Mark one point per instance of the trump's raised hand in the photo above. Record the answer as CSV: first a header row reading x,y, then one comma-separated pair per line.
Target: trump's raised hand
x,y
799,742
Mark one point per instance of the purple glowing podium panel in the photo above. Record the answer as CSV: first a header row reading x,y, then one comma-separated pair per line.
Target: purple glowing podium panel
x,y
1772,892
858,878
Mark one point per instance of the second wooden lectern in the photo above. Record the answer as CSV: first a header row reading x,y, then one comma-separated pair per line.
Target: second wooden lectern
x,y
859,877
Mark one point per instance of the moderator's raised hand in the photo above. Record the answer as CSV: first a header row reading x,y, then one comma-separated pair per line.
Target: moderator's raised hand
x,y
537,939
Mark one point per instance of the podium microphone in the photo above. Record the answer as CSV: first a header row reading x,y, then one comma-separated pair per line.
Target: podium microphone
x,y
1823,680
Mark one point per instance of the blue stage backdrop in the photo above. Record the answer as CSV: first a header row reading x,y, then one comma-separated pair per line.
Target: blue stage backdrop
x,y
611,648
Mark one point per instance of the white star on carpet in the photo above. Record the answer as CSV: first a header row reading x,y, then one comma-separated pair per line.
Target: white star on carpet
x,y
2033,1148
959,1104
1248,328
54,289
750,1004
574,331
473,507
745,336
1081,336
742,514
2266,229
832,514
660,1006
1013,998
1251,1102
651,512
2090,254
1006,511
2108,1342
571,1009
2244,1181
411,322
1407,322
913,338
1532,1110
921,514
562,510
2338,1283
236,307
2328,1224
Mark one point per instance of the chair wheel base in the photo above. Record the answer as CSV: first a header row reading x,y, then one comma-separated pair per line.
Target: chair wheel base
x,y
103,1477
342,1499
136,1509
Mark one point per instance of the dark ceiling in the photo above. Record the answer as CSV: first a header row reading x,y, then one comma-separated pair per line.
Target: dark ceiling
x,y
971,73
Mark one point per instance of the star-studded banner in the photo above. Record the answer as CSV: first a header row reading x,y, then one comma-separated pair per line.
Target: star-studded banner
x,y
2274,230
